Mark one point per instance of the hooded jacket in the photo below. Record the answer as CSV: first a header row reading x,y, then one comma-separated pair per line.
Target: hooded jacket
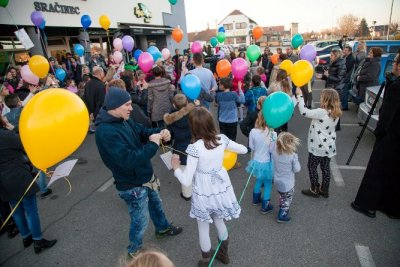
x,y
125,149
160,93
336,74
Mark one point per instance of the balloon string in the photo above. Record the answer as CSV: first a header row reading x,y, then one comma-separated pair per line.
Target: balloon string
x,y
109,44
15,24
173,149
70,186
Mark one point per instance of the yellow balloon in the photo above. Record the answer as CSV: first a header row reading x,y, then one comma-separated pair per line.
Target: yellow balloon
x,y
104,22
229,159
302,72
287,65
52,126
39,66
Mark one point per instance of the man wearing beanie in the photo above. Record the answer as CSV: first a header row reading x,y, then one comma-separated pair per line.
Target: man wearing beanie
x,y
126,148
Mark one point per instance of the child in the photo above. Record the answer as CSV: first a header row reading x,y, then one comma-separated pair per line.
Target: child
x,y
262,143
261,73
286,164
71,86
15,105
178,124
213,198
321,139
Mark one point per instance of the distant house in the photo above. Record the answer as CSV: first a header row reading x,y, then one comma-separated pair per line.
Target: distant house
x,y
202,36
274,35
380,30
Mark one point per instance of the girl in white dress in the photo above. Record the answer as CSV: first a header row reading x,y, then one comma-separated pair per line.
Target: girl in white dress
x,y
213,198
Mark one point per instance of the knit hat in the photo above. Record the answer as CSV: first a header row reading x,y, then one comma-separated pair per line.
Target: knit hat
x,y
115,98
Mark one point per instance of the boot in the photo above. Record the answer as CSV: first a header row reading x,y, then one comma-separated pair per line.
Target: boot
x,y
205,258
222,254
266,207
38,245
256,198
324,191
283,216
312,192
27,241
12,230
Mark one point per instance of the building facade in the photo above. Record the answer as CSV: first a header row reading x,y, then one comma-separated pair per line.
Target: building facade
x,y
238,28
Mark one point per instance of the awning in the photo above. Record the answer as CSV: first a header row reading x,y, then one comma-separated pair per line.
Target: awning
x,y
138,29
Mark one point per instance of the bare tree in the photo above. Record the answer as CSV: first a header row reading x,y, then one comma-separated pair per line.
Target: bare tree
x,y
394,27
347,25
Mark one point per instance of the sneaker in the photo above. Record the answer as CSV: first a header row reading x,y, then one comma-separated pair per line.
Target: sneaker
x,y
47,193
267,209
185,198
283,217
170,231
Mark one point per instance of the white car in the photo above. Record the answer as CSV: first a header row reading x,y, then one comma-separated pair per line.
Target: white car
x,y
286,42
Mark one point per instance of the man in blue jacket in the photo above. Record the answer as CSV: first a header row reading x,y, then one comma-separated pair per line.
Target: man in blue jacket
x,y
126,148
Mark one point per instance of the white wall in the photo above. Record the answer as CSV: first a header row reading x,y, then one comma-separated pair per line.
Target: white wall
x,y
233,19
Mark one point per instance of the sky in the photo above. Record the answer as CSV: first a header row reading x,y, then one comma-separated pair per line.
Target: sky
x,y
310,14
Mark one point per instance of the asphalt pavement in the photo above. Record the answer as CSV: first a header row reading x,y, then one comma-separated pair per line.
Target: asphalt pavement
x,y
92,222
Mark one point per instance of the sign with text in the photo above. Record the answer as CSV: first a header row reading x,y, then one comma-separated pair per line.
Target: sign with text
x,y
56,8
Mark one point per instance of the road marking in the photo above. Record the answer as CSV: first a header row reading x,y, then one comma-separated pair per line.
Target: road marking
x,y
364,256
106,185
350,124
337,175
347,167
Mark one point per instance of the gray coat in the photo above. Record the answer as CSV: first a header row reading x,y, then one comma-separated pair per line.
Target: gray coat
x,y
369,75
160,94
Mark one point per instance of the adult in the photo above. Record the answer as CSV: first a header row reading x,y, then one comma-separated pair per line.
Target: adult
x,y
334,76
97,60
348,56
360,54
126,148
70,66
15,177
380,186
177,64
95,91
291,56
13,78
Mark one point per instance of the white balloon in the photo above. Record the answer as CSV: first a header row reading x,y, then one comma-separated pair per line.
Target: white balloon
x,y
117,56
28,76
165,53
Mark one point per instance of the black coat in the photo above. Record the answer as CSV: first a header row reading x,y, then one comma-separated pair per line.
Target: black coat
x,y
336,74
15,170
349,67
95,92
369,75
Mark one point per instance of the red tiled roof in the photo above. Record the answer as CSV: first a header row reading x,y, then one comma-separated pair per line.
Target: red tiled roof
x,y
202,35
271,29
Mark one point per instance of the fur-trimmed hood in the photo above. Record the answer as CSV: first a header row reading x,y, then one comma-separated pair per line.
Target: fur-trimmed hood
x,y
179,114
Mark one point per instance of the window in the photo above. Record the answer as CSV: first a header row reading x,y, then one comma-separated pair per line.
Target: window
x,y
229,40
394,49
241,25
228,26
241,40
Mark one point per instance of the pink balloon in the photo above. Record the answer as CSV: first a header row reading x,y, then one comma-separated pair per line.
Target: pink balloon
x,y
117,56
239,68
196,47
146,61
165,53
117,43
28,76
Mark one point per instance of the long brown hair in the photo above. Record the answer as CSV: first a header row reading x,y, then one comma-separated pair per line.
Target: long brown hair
x,y
260,122
203,127
330,102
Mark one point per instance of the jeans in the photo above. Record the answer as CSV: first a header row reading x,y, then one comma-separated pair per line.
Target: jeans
x,y
229,129
345,96
141,202
42,182
26,217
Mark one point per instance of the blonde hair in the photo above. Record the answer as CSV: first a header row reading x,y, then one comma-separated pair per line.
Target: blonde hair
x,y
285,86
117,83
330,102
260,102
260,122
287,143
109,75
151,258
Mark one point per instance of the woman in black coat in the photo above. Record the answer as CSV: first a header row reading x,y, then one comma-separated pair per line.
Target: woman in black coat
x,y
336,73
15,178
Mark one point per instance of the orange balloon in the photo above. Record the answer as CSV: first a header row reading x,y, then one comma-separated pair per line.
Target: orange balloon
x,y
275,58
177,34
223,68
257,32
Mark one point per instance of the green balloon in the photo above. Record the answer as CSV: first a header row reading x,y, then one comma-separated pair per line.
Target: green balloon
x,y
221,37
297,40
3,3
213,41
253,52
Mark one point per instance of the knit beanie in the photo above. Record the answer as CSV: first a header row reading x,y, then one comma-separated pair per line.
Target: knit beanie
x,y
115,98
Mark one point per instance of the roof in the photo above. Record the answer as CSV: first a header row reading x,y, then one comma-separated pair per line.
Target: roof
x,y
202,35
272,29
238,12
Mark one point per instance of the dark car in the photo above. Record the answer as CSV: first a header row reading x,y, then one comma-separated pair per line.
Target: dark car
x,y
242,48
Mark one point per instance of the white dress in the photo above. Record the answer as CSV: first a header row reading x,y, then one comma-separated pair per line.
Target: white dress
x,y
212,194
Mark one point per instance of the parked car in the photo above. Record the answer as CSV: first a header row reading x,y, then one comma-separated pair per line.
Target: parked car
x,y
242,48
388,46
322,44
286,42
323,57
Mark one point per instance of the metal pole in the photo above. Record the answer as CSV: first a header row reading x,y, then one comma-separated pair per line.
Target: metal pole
x,y
390,21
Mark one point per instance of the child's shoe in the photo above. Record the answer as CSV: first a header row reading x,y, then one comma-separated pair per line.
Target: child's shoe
x,y
312,192
266,207
283,216
256,198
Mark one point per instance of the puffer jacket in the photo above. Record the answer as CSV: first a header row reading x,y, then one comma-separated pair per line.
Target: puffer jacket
x,y
369,75
160,94
336,75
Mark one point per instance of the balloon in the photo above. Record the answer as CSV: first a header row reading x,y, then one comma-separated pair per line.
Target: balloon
x,y
308,52
239,68
297,40
274,59
3,3
173,2
60,74
117,56
221,37
28,76
302,72
191,86
154,52
230,159
52,126
86,21
104,22
221,29
43,25
117,43
196,47
223,68
128,43
257,32
146,61
287,65
221,54
79,49
137,53
177,34
277,109
165,53
39,66
253,52
37,18
213,41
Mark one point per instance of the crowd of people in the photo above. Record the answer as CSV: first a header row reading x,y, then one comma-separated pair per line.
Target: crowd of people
x,y
133,113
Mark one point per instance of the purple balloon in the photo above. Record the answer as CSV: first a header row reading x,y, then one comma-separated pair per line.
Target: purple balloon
x,y
308,53
221,54
128,43
37,18
239,68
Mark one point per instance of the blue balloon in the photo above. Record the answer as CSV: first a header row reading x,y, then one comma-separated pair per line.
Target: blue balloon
x,y
154,52
43,24
277,109
221,29
137,53
86,21
60,74
191,86
79,50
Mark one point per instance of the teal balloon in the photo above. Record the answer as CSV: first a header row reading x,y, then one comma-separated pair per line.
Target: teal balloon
x,y
191,86
221,37
297,40
173,2
3,3
213,41
253,52
277,109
